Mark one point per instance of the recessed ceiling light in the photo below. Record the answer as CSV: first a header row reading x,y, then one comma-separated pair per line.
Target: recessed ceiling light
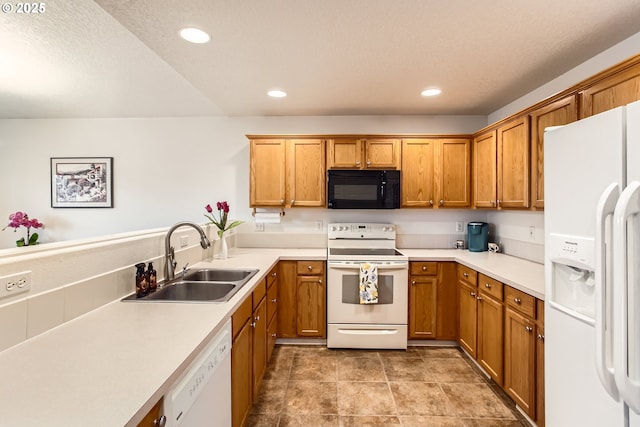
x,y
277,93
194,35
434,91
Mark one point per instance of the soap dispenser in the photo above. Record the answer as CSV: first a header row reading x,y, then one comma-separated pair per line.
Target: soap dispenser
x,y
152,278
142,286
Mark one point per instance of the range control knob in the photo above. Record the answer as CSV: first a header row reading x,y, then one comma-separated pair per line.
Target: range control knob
x,y
334,228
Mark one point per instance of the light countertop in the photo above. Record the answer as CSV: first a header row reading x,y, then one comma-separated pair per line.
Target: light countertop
x,y
111,365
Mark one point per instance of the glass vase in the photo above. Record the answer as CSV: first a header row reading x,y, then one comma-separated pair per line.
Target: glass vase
x,y
222,251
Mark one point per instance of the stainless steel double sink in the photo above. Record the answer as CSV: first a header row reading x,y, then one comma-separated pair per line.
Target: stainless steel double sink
x,y
200,285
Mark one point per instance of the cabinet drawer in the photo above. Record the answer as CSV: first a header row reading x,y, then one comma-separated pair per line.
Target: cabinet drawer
x,y
272,302
518,300
468,275
423,268
490,286
272,276
240,317
308,268
259,292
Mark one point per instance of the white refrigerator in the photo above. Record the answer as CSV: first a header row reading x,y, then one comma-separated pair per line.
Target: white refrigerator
x,y
592,271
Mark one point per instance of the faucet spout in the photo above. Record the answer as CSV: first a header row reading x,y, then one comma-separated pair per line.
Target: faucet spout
x,y
170,264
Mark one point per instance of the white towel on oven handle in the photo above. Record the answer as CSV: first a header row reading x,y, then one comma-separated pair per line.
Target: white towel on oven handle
x,y
368,283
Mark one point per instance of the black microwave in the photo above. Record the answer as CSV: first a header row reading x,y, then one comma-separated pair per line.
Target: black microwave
x,y
363,189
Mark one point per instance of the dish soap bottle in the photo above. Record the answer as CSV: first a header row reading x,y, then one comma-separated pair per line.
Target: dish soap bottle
x,y
152,278
142,286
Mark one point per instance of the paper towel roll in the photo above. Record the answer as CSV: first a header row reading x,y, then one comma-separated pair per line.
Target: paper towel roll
x,y
268,217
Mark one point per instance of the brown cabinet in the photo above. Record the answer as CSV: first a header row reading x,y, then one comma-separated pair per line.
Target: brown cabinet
x,y
436,172
154,417
615,90
287,173
560,112
468,309
356,153
302,299
520,349
272,310
259,341
484,170
513,163
241,363
490,327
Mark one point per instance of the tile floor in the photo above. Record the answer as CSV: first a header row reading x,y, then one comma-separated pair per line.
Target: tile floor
x,y
313,386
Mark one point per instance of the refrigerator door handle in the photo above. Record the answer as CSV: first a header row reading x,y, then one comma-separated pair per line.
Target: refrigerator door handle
x,y
602,295
628,205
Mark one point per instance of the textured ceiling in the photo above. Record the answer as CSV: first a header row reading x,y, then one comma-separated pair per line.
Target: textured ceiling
x,y
123,58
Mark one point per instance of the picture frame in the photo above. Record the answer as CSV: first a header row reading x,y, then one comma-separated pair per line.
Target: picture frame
x,y
82,182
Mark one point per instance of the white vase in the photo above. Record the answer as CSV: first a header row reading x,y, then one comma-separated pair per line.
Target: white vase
x,y
222,251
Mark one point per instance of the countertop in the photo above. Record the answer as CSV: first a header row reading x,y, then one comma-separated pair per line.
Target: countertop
x,y
111,365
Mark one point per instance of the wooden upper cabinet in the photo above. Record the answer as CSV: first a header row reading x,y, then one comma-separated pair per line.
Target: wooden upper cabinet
x,y
617,90
484,170
375,153
344,153
560,112
417,172
306,181
436,172
267,172
513,163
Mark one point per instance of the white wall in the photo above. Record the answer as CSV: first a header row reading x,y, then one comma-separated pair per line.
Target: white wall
x,y
165,169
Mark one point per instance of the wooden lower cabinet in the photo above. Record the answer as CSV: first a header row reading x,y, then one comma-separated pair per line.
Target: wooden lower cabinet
x,y
490,335
259,337
520,352
154,416
302,299
241,364
468,306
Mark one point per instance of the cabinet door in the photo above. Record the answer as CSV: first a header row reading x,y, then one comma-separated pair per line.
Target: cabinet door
x,y
241,380
259,349
417,172
484,170
559,113
490,334
306,181
344,154
152,419
468,306
513,164
447,305
267,172
614,91
311,303
519,367
287,298
382,153
453,173
272,336
422,306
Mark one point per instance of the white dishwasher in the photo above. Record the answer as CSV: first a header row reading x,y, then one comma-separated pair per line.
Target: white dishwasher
x,y
203,396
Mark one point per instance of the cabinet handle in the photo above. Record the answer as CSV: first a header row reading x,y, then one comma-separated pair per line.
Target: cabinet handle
x,y
282,201
274,274
413,282
441,202
479,298
275,300
319,280
424,268
253,324
257,318
487,285
160,422
493,203
465,274
292,202
516,300
498,202
540,337
368,162
528,328
309,268
473,294
274,335
431,202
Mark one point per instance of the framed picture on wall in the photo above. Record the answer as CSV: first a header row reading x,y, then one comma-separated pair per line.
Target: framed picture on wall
x,y
82,182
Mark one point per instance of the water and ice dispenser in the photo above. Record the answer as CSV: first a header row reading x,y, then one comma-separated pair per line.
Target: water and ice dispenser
x,y
572,275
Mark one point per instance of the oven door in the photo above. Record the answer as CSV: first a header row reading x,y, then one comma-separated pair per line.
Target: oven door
x,y
343,302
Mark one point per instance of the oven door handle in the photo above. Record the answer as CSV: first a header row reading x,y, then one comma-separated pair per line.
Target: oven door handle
x,y
401,266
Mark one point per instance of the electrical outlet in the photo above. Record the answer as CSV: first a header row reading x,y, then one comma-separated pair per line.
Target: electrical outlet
x,y
319,224
459,227
184,241
259,226
15,284
532,232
